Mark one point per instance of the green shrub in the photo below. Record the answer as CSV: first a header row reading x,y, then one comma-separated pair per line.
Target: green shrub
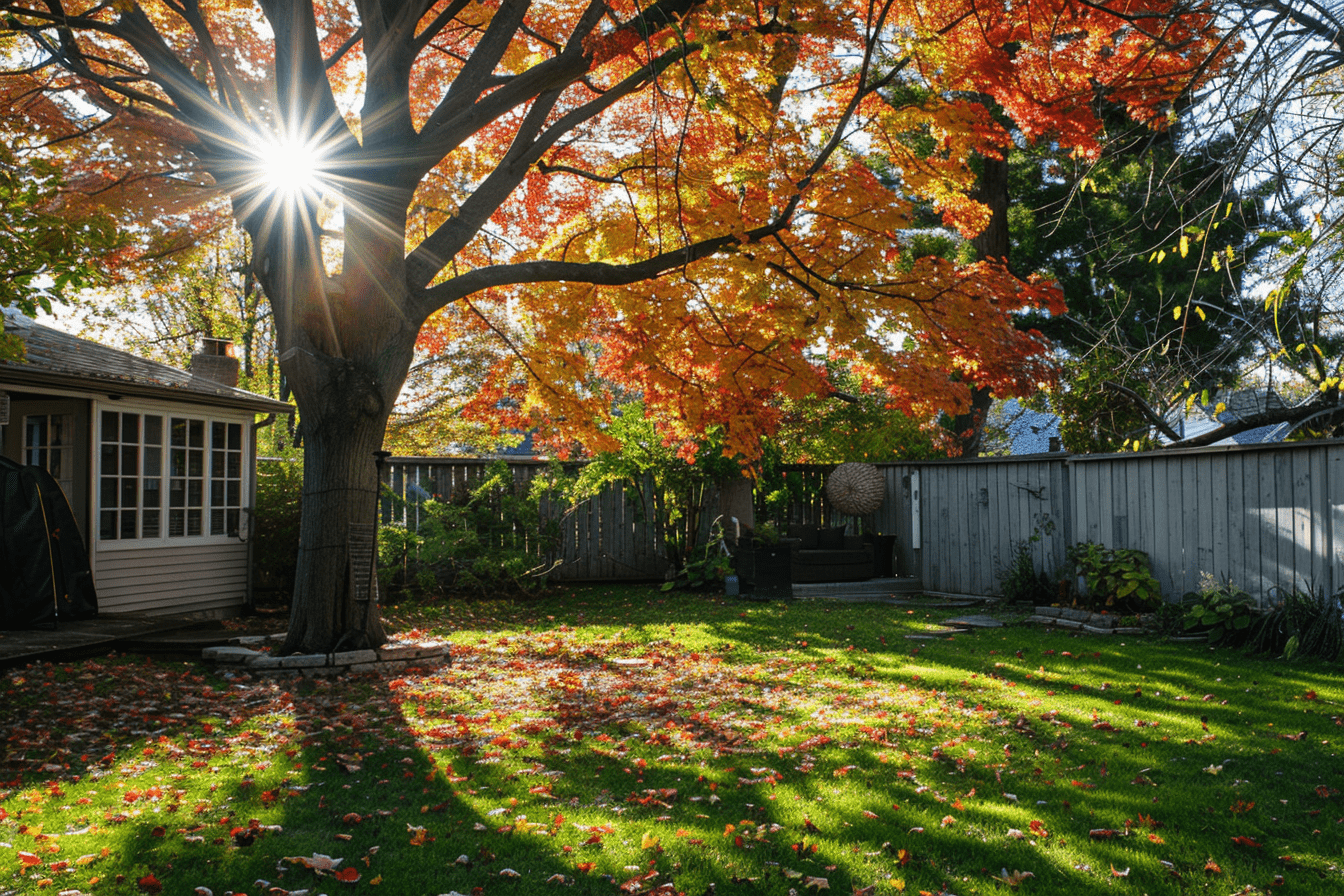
x,y
707,566
1224,611
1300,623
1021,582
275,532
489,540
1116,578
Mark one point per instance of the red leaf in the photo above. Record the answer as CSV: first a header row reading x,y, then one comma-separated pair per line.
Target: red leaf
x,y
1245,841
347,875
150,884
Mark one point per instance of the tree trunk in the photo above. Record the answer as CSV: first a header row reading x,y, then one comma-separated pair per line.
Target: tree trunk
x,y
991,243
345,407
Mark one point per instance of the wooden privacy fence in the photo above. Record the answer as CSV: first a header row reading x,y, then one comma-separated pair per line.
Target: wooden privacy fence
x,y
1260,516
611,536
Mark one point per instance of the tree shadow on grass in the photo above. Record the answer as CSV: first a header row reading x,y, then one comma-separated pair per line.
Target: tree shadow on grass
x,y
628,763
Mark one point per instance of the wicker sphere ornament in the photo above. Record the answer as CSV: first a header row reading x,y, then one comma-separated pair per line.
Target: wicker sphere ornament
x,y
856,488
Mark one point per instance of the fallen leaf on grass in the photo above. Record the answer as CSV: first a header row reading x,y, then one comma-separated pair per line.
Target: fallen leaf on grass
x,y
318,862
1245,841
1014,878
347,876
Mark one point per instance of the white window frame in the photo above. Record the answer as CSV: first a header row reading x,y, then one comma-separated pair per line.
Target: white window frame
x,y
234,482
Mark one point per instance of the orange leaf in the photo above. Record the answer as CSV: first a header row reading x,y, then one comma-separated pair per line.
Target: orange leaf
x,y
347,875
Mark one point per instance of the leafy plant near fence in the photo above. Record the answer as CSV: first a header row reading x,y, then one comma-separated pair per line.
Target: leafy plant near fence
x,y
1022,582
1116,578
671,481
491,539
1307,623
1224,611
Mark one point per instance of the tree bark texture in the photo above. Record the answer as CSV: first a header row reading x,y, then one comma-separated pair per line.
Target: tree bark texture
x,y
347,404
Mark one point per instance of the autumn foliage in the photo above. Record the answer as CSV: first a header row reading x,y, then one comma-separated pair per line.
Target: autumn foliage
x,y
719,195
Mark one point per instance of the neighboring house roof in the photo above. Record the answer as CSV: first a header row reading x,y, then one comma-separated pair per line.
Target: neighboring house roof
x,y
56,359
1199,420
1027,431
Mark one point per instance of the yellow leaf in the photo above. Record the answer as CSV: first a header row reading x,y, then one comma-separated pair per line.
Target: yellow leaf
x,y
1161,254
376,881
1185,245
1219,408
899,884
1200,312
1300,346
1176,312
1217,262
648,841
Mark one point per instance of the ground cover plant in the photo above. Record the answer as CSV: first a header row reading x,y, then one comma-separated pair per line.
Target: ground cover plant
x,y
627,740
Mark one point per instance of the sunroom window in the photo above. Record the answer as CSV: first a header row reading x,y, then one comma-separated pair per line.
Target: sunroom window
x,y
153,476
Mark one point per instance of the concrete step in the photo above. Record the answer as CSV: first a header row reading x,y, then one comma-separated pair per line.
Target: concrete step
x,y
870,589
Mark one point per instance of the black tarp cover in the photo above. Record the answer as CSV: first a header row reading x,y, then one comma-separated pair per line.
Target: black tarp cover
x,y
44,566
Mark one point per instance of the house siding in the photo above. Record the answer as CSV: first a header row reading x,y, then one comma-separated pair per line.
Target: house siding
x,y
204,578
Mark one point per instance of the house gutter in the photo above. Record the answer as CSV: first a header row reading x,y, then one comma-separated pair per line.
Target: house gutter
x,y
249,595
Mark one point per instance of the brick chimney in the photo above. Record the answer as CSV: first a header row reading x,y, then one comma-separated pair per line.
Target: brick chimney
x,y
215,362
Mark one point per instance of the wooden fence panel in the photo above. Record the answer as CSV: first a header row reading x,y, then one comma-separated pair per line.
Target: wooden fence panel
x,y
1262,517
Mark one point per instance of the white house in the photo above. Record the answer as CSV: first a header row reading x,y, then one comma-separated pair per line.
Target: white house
x,y
158,464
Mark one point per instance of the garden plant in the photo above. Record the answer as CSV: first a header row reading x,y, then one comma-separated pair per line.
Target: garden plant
x,y
626,740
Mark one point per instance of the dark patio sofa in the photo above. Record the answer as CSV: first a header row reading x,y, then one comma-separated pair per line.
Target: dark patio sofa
x,y
829,555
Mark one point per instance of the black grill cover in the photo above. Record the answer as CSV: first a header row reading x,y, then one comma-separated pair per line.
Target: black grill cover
x,y
44,566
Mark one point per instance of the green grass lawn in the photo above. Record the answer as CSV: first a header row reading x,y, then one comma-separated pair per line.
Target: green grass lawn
x,y
626,740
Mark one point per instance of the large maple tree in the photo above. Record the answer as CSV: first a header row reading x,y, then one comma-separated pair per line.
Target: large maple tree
x,y
674,198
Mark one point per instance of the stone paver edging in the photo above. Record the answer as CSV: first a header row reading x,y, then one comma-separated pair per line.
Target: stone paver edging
x,y
1083,620
389,658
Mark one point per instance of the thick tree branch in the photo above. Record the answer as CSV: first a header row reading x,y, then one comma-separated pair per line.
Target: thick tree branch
x,y
1141,405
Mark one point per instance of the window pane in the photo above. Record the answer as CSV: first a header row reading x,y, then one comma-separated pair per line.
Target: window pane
x,y
217,463
150,529
153,429
128,524
35,432
179,432
235,437
235,467
107,525
128,493
107,495
109,460
193,522
234,498
153,461
195,463
130,428
177,493
231,523
194,493
177,462
109,426
216,492
197,432
177,523
216,522
130,460
217,435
